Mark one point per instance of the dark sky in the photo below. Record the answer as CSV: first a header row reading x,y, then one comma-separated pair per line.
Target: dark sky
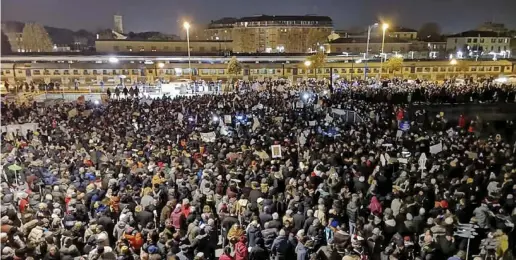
x,y
166,15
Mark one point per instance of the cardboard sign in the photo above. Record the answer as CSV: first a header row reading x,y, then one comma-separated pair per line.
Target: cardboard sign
x,y
208,137
276,151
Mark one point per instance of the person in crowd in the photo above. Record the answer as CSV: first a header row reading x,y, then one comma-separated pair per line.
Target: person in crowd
x,y
274,170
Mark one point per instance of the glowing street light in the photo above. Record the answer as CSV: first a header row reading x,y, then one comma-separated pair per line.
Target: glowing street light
x,y
161,65
366,55
453,62
308,63
186,25
384,28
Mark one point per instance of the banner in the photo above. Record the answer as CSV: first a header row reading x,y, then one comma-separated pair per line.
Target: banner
x,y
23,128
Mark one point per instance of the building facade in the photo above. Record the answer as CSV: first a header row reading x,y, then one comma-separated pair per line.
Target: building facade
x,y
280,34
162,46
220,30
92,73
358,46
483,41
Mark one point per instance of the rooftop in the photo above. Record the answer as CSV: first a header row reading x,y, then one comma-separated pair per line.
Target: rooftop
x,y
285,18
372,40
137,40
225,20
475,33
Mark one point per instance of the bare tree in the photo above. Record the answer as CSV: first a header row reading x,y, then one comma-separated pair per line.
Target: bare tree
x,y
36,38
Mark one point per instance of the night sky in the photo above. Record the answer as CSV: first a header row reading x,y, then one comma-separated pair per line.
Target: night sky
x,y
166,15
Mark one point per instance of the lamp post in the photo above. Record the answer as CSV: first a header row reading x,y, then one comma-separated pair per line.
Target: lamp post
x,y
186,25
366,56
384,28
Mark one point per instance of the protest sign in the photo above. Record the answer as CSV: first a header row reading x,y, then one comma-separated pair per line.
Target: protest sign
x,y
227,119
436,148
208,137
276,151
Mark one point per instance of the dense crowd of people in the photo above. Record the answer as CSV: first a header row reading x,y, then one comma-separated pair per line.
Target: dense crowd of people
x,y
258,174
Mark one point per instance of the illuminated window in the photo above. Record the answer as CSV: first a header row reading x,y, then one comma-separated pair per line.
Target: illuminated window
x,y
154,48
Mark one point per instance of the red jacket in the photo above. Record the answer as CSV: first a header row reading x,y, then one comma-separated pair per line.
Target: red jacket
x,y
462,122
225,257
400,115
241,252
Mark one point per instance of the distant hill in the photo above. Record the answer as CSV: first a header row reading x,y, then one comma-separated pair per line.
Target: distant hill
x,y
59,36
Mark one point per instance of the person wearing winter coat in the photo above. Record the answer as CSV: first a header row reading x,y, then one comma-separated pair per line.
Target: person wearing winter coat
x,y
241,251
259,251
301,250
281,246
269,235
253,232
69,250
482,214
352,212
226,255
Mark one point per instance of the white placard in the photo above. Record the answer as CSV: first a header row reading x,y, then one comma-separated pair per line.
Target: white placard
x,y
436,148
339,112
402,160
311,123
12,129
328,118
208,137
399,133
179,117
256,123
422,161
276,151
299,104
227,119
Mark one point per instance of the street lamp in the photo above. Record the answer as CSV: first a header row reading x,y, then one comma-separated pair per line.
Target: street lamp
x,y
308,63
366,56
186,25
384,28
161,65
453,62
